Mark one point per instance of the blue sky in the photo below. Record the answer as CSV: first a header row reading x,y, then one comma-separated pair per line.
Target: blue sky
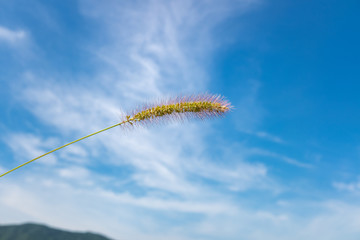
x,y
284,164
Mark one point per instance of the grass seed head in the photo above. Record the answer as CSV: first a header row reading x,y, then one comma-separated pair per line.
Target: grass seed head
x,y
197,106
180,108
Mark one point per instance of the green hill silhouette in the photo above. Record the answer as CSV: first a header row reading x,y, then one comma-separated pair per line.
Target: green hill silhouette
x,y
30,231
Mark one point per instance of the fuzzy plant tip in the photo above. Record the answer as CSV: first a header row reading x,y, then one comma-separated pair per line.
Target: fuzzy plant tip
x,y
196,106
181,108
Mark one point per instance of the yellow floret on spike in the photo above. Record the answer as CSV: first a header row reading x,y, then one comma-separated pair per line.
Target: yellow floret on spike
x,y
198,106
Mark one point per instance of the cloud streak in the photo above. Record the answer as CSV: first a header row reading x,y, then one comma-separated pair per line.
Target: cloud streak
x,y
11,36
351,187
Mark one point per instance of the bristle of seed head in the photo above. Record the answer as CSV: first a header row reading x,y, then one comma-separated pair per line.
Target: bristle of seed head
x,y
198,106
180,108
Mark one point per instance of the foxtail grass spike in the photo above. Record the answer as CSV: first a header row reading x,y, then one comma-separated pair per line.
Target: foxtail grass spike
x,y
180,108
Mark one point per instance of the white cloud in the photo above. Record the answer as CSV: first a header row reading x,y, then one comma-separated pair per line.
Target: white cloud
x,y
339,220
28,146
240,176
111,209
352,187
269,137
123,216
165,45
70,110
11,36
76,153
2,169
74,173
283,158
265,135
157,155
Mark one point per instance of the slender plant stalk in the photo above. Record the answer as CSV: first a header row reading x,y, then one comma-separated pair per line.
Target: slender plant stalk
x,y
78,140
199,106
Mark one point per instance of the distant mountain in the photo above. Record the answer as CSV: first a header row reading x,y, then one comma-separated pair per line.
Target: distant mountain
x,y
32,231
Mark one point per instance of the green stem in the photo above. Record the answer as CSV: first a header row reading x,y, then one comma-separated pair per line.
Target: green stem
x,y
63,147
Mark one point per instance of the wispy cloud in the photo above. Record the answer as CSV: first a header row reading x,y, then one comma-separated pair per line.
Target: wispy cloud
x,y
265,135
223,218
166,44
283,158
352,187
72,110
338,220
11,36
2,169
269,137
27,146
